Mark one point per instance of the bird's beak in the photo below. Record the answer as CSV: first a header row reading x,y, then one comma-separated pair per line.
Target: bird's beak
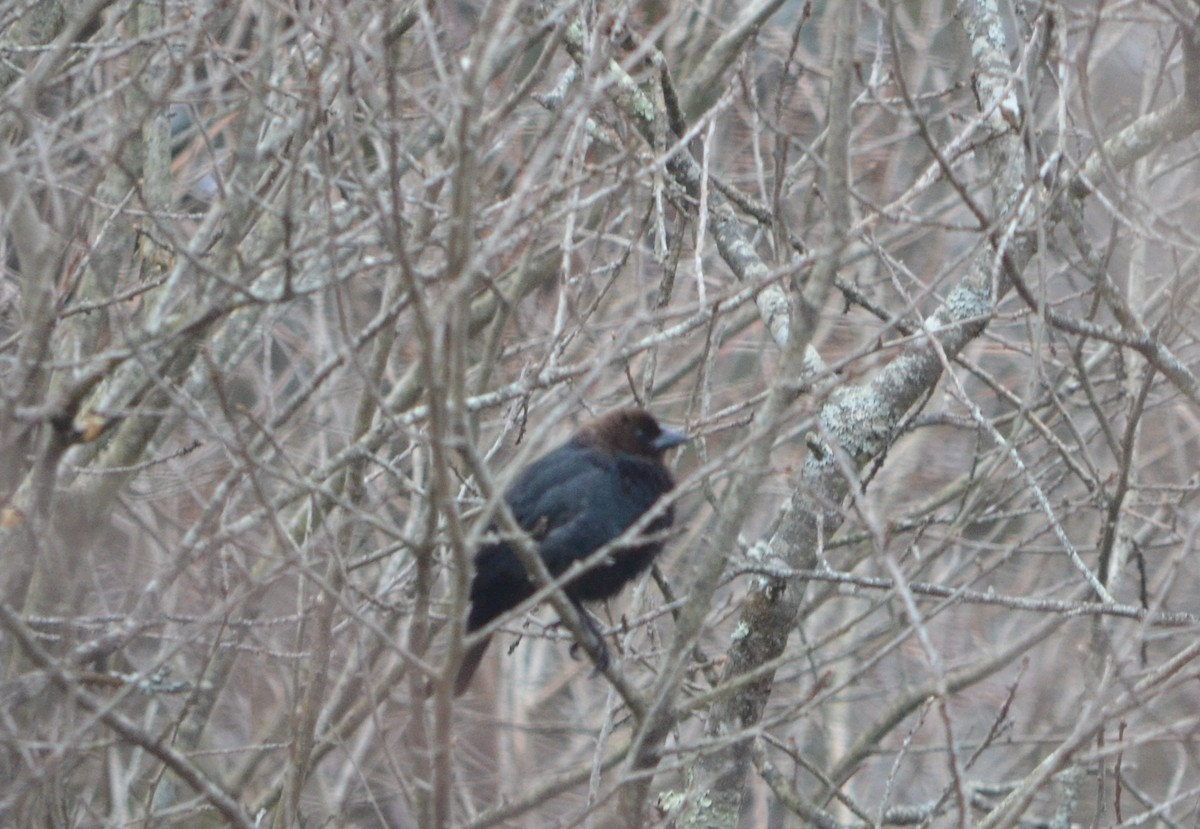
x,y
668,438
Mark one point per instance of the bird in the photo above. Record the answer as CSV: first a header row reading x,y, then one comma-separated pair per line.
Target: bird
x,y
572,501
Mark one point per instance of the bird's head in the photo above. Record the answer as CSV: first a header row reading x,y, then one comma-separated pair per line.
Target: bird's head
x,y
633,431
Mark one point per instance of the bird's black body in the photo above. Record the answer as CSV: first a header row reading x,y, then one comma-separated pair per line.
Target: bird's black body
x,y
572,501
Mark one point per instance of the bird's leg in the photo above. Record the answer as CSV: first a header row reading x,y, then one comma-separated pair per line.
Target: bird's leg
x,y
595,646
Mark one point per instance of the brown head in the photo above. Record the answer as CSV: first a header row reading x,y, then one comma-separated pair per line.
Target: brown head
x,y
631,431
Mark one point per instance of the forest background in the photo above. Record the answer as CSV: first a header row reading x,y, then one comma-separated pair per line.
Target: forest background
x,y
289,291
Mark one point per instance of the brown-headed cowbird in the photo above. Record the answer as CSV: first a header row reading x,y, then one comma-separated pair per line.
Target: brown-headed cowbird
x,y
572,502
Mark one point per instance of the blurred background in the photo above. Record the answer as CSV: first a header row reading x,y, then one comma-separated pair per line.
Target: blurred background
x,y
280,280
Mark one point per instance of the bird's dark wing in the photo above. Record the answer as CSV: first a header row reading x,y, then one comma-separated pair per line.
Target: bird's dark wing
x,y
552,490
605,495
578,498
545,496
573,501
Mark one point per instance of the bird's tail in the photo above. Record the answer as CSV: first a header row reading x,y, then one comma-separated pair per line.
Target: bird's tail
x,y
470,664
492,595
